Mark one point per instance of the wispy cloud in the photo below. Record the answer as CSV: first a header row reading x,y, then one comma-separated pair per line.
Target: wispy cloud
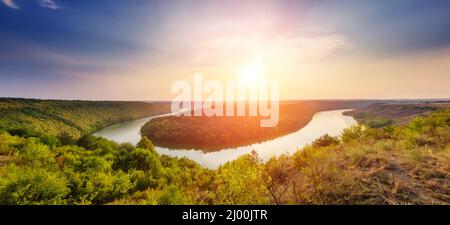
x,y
10,4
50,4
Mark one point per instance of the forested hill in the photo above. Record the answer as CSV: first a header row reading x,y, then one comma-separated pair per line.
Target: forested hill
x,y
217,132
32,117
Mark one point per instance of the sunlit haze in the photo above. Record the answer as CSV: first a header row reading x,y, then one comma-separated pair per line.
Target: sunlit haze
x,y
135,50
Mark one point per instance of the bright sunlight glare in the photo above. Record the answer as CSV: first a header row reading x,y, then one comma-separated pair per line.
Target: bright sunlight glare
x,y
251,73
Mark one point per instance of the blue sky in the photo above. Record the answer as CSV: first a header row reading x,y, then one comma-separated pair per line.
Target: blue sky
x,y
135,49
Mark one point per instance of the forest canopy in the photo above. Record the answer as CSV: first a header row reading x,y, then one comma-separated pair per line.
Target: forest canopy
x,y
69,119
212,133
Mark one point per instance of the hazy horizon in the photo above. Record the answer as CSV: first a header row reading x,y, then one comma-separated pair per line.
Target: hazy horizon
x,y
123,50
281,100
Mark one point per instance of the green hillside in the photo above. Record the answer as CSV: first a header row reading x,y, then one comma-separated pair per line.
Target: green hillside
x,y
390,164
31,117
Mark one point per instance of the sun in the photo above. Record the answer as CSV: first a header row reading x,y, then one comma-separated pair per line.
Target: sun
x,y
251,73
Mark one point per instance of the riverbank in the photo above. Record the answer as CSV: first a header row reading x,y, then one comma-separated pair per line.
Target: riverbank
x,y
211,134
323,123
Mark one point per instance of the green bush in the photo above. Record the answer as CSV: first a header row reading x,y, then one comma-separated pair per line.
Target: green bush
x,y
240,182
139,159
142,181
324,141
50,140
30,185
145,143
32,152
66,139
353,133
101,187
171,195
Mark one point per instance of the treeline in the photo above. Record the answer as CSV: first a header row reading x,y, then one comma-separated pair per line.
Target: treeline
x,y
31,117
407,164
218,132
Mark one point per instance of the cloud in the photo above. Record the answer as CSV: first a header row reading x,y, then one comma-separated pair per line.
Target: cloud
x,y
10,4
275,49
50,4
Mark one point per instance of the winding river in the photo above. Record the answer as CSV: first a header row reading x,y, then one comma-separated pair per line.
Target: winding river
x,y
326,122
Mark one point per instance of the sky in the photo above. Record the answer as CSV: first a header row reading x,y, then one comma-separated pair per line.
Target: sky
x,y
136,50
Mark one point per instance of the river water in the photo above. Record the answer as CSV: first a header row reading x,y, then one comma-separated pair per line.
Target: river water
x,y
326,122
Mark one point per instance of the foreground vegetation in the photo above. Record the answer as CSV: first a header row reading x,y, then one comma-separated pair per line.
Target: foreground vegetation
x,y
71,119
392,164
218,132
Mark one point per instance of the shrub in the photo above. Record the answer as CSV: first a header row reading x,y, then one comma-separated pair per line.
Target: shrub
x,y
141,181
139,159
87,142
50,140
34,153
353,133
145,143
7,143
94,163
171,195
239,182
278,173
30,185
377,122
325,140
66,139
101,187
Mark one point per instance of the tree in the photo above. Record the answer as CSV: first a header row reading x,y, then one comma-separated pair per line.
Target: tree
x,y
145,143
239,182
139,159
